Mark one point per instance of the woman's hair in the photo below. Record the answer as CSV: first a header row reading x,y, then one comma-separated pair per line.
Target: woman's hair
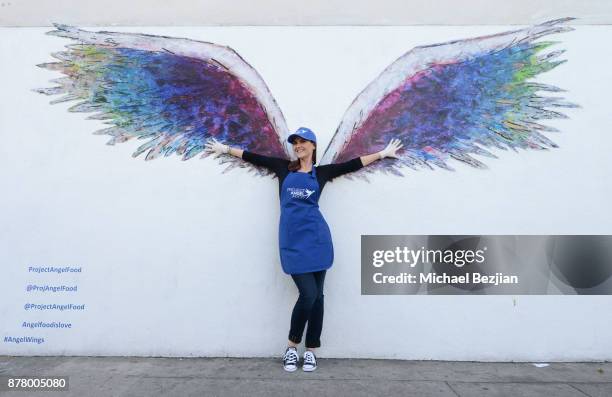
x,y
295,164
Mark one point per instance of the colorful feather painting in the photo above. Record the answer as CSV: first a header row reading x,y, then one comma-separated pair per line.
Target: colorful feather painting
x,y
446,101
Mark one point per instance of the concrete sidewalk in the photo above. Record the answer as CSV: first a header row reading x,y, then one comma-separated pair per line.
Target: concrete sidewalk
x,y
131,376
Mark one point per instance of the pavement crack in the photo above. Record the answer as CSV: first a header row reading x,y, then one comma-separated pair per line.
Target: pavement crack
x,y
580,390
453,390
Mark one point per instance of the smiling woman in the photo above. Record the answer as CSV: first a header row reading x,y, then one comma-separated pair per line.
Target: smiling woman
x,y
304,145
305,241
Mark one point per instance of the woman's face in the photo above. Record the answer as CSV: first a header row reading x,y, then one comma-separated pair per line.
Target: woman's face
x,y
303,148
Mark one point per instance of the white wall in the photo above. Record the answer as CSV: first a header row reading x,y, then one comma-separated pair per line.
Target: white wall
x,y
181,260
313,12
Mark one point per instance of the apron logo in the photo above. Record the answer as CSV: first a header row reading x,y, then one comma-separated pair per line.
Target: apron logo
x,y
299,192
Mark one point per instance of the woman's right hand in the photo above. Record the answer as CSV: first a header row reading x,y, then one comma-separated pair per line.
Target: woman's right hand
x,y
217,147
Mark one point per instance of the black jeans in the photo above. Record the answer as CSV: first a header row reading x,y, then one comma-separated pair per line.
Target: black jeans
x,y
308,308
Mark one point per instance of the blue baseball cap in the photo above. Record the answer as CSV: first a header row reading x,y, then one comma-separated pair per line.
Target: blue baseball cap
x,y
304,133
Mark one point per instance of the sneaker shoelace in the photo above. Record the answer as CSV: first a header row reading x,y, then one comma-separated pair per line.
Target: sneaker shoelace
x,y
309,358
291,357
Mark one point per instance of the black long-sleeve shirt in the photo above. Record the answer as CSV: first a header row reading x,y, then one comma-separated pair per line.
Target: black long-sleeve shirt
x,y
325,173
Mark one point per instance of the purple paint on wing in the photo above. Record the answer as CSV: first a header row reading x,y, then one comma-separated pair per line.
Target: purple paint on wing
x,y
446,109
175,102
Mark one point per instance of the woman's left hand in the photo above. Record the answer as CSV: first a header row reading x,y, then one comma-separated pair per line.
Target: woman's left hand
x,y
391,148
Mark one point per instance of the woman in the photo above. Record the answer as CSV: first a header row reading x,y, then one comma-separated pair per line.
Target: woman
x,y
306,248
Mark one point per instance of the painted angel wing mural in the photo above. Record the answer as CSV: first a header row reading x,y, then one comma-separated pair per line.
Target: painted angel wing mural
x,y
452,100
171,93
449,100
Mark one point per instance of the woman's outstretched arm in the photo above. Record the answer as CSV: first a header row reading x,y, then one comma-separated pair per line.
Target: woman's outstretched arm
x,y
275,164
370,158
331,171
234,151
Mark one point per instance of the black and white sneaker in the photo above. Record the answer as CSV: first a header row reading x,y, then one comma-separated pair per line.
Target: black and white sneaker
x,y
310,361
290,359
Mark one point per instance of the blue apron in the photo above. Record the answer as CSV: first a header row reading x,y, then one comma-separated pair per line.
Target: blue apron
x,y
303,235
